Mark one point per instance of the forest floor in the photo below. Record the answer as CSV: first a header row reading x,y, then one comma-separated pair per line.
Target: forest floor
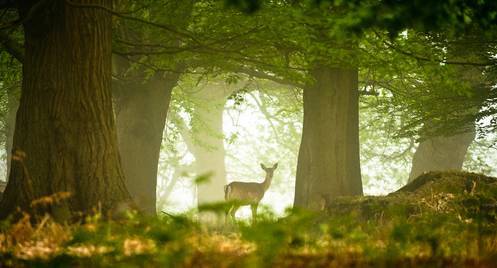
x,y
444,219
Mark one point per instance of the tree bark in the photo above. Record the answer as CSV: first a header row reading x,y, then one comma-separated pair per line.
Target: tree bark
x,y
210,154
65,138
141,112
142,103
448,152
328,163
206,142
440,153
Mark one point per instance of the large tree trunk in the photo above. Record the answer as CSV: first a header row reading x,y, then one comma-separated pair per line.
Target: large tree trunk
x,y
448,152
141,111
65,138
210,155
142,103
440,153
328,163
205,140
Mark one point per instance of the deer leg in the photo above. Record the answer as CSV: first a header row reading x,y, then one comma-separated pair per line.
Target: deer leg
x,y
254,212
233,212
227,214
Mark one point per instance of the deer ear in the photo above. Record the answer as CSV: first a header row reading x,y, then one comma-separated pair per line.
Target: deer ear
x,y
262,166
275,166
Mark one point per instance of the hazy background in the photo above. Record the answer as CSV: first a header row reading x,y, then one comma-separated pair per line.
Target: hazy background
x,y
264,125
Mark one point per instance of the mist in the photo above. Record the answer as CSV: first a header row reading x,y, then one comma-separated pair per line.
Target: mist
x,y
248,133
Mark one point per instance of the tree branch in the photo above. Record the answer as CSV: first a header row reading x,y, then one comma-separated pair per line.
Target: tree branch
x,y
264,75
131,18
266,113
31,12
421,58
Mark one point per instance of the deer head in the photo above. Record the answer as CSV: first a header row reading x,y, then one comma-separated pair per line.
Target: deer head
x,y
269,175
269,170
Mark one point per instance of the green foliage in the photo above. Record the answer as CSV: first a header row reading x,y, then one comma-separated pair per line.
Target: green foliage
x,y
203,178
430,223
395,16
454,16
414,56
248,6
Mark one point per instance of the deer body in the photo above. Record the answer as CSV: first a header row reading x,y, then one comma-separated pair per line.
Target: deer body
x,y
247,193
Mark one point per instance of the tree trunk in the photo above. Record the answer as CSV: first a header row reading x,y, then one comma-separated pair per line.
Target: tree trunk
x,y
141,111
142,104
210,155
328,163
65,138
205,140
440,153
448,152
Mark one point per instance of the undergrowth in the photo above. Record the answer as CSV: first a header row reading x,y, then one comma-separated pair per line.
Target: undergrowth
x,y
411,228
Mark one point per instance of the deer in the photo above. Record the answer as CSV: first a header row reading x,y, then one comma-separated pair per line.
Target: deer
x,y
247,193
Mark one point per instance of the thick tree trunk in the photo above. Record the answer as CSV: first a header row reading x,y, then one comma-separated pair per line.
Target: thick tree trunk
x,y
448,152
141,111
210,155
205,140
328,163
441,153
142,104
65,138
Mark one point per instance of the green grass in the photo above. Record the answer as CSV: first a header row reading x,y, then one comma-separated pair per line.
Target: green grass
x,y
420,228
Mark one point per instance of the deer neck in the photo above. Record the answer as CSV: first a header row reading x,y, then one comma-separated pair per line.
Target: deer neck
x,y
267,181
